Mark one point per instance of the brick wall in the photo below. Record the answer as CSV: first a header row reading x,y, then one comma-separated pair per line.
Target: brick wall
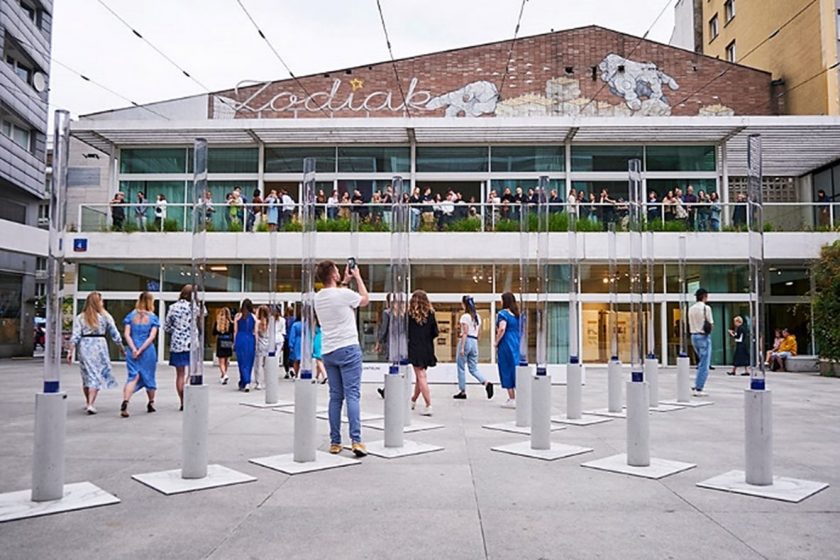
x,y
553,74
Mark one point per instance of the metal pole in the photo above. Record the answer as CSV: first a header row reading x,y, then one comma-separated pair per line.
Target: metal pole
x,y
51,404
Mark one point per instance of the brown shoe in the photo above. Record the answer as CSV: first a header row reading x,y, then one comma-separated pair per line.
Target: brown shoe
x,y
359,449
124,409
335,448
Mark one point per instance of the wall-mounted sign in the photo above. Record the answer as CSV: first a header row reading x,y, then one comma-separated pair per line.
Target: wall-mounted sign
x,y
80,245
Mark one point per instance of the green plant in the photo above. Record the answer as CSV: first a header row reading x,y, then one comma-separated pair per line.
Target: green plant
x,y
338,224
464,224
558,221
825,308
768,226
427,226
733,228
669,225
369,227
209,226
261,227
235,226
507,225
585,225
293,227
171,224
130,226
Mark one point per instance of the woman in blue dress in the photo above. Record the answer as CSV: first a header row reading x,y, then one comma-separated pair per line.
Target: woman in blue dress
x,y
245,342
295,341
91,329
507,346
141,329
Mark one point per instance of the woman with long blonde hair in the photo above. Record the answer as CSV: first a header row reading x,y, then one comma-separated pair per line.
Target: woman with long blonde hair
x,y
141,330
261,347
422,332
223,331
91,327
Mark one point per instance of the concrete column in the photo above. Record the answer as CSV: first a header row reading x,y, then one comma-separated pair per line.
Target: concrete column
x,y
194,434
615,379
272,373
574,391
394,408
683,379
540,411
758,421
523,396
652,378
48,455
638,424
305,398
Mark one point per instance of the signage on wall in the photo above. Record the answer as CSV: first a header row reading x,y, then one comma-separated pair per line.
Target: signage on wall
x,y
80,245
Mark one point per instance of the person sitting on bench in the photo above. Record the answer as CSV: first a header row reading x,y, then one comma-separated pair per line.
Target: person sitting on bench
x,y
786,349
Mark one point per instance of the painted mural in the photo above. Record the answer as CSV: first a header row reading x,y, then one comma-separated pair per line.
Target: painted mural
x,y
639,88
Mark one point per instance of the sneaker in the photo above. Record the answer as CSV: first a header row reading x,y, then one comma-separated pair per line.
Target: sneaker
x,y
90,410
257,387
381,392
150,407
124,409
413,405
489,388
225,380
286,376
700,393
246,390
359,449
460,395
427,411
510,403
335,448
745,373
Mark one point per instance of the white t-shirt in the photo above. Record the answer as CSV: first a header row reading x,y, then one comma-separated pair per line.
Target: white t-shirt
x,y
336,313
472,328
696,314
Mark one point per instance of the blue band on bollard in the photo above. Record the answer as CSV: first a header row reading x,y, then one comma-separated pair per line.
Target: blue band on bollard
x,y
637,376
272,354
523,362
574,360
683,355
51,387
541,371
394,370
306,374
651,356
196,380
757,384
404,362
614,358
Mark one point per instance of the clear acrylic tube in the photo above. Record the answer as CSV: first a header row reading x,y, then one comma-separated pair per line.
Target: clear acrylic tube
x,y
755,213
524,260
199,261
681,247
307,269
399,275
634,226
574,290
272,292
542,275
650,285
613,285
55,256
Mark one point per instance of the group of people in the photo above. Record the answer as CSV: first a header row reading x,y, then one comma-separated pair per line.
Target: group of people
x,y
138,213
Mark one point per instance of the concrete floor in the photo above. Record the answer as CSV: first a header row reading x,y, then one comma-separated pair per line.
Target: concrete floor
x,y
465,502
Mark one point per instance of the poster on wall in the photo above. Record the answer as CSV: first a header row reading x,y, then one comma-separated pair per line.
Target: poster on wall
x,y
443,343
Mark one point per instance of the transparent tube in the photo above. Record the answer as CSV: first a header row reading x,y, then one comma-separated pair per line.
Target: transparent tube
x,y
307,269
634,226
613,284
524,259
542,275
755,213
399,274
650,285
574,290
683,295
272,292
199,261
55,256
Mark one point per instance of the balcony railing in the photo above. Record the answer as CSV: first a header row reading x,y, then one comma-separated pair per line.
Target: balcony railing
x,y
459,217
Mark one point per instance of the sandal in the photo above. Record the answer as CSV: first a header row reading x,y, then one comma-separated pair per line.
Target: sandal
x,y
150,406
124,409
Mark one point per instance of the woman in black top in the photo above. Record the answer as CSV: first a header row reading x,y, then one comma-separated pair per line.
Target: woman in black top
x,y
422,332
223,331
742,352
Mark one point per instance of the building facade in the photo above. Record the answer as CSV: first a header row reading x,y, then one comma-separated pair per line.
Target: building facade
x,y
25,31
796,40
574,106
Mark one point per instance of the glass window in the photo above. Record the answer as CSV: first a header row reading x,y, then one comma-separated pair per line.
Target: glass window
x,y
232,160
453,279
730,52
374,160
507,278
615,189
662,186
119,277
217,278
288,278
603,158
153,160
713,27
220,190
509,159
680,158
794,317
789,281
558,333
10,311
447,316
719,278
729,10
441,159
290,160
174,191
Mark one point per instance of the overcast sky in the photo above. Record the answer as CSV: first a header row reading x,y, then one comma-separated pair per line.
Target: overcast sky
x,y
214,41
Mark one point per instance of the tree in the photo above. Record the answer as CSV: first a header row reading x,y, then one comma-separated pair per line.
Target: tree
x,y
826,302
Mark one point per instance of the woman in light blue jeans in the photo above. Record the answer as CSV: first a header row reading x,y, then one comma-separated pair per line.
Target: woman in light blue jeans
x,y
470,326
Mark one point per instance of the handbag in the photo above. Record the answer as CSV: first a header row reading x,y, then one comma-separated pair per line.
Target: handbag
x,y
707,326
225,341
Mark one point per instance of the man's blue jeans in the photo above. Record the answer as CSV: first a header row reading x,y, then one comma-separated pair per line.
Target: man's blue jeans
x,y
470,359
702,344
344,372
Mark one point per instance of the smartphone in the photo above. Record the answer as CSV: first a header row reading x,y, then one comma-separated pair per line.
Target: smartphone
x,y
351,263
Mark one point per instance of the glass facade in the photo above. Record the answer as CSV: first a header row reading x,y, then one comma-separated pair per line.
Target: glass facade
x,y
10,308
374,160
449,159
290,160
680,158
232,160
153,160
512,159
603,158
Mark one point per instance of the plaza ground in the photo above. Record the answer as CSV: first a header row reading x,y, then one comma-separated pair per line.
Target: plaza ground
x,y
466,502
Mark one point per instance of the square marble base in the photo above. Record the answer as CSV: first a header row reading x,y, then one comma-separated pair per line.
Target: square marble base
x,y
557,451
584,420
291,410
665,407
792,490
606,412
363,416
416,426
286,463
170,482
514,429
81,495
689,404
659,468
409,447
278,404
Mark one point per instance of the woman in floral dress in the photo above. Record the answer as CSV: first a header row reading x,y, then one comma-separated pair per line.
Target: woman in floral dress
x,y
91,327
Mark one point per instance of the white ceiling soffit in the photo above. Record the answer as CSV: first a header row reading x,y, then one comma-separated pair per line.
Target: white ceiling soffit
x,y
792,145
